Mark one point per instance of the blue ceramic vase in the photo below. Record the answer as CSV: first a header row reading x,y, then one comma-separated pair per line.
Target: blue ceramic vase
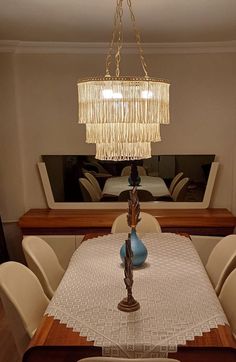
x,y
138,248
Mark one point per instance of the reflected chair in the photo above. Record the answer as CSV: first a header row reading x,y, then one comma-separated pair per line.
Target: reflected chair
x,y
24,301
88,191
180,190
227,299
97,167
115,359
143,195
94,182
222,261
42,260
175,180
147,224
127,169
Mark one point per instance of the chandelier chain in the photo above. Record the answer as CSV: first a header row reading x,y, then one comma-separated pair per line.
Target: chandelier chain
x,y
119,37
117,40
138,38
112,44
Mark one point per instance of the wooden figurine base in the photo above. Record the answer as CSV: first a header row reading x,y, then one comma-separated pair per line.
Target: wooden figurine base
x,y
128,306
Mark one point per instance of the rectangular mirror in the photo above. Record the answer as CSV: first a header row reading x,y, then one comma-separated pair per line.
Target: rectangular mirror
x,y
166,181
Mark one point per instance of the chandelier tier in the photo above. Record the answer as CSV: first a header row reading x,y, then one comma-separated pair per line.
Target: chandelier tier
x,y
123,100
123,114
122,132
123,151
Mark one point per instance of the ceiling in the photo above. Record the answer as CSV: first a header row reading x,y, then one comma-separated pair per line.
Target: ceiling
x,y
160,21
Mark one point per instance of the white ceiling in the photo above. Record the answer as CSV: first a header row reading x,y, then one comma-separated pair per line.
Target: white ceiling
x,y
91,20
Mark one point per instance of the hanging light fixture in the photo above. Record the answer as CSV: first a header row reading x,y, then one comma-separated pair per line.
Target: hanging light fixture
x,y
123,113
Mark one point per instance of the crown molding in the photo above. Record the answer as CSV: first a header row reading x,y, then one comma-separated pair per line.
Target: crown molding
x,y
29,47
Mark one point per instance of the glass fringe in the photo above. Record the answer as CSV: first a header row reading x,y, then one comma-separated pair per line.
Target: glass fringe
x,y
131,108
122,132
123,151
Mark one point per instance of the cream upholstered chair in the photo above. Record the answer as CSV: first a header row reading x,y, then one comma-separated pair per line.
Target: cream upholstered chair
x,y
94,182
127,169
147,224
222,261
115,359
42,260
88,191
179,188
174,181
227,299
24,301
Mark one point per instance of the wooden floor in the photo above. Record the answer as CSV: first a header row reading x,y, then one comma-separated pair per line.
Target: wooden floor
x,y
8,351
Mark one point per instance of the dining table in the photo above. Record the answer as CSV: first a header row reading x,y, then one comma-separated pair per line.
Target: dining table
x,y
155,185
180,315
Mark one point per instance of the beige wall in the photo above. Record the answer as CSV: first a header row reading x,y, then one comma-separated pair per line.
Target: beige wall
x,y
11,186
40,116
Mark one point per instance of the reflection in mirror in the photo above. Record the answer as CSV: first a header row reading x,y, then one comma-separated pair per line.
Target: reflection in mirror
x,y
168,178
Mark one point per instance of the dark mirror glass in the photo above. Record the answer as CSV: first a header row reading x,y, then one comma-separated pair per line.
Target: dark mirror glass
x,y
170,178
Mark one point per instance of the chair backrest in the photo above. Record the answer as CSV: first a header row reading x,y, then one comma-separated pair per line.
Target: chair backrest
x,y
179,188
175,180
147,224
227,299
222,261
143,195
115,359
23,300
88,190
42,260
98,165
94,182
127,169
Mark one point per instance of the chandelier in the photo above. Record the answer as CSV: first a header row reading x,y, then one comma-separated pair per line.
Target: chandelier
x,y
123,114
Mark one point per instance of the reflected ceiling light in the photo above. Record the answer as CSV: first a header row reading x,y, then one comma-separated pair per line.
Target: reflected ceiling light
x,y
123,113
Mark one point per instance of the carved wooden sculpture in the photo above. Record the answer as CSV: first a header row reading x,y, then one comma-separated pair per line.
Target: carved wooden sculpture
x,y
129,304
134,208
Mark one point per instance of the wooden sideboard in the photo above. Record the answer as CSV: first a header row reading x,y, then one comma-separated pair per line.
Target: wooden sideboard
x,y
218,222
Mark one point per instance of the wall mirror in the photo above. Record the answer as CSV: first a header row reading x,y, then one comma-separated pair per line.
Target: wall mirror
x,y
63,181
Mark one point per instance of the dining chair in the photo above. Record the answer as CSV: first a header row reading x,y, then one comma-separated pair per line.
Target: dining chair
x,y
147,224
92,179
116,359
143,195
179,189
174,181
42,260
24,301
127,169
99,167
88,191
227,299
222,261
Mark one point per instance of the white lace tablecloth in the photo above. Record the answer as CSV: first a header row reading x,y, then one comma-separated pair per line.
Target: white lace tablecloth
x,y
155,185
176,298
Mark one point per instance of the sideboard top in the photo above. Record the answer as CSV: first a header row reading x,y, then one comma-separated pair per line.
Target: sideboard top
x,y
47,218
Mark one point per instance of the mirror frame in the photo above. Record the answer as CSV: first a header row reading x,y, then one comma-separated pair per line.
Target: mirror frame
x,y
52,204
